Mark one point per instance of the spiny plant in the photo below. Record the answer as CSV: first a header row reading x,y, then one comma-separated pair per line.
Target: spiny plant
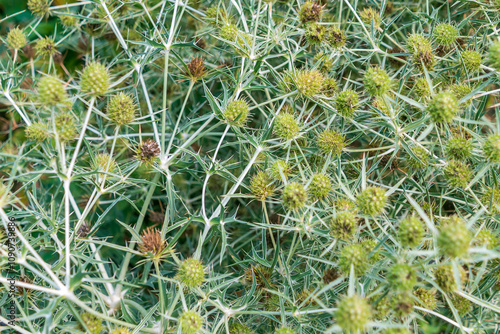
x,y
248,167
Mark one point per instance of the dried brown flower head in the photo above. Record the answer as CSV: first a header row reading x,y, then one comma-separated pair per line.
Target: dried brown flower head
x,y
196,68
152,242
148,151
84,230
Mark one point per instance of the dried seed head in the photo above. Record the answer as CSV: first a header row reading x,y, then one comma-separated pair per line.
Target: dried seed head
x,y
152,241
402,277
353,314
84,230
426,298
445,34
45,47
443,107
330,275
236,113
286,126
95,79
279,168
310,11
121,109
454,238
37,132
331,142
370,16
65,126
39,7
191,273
472,60
196,68
92,323
491,149
354,255
261,186
372,201
51,92
148,151
346,102
294,196
16,39
411,232
320,186
459,148
457,174
309,82
190,322
344,225
377,81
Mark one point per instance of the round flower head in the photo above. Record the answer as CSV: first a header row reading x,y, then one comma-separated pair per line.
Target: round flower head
x,y
37,132
191,273
190,322
445,278
196,68
354,255
370,16
65,126
92,323
494,55
310,11
261,186
426,298
410,232
445,34
459,148
104,162
236,112
424,59
460,91
457,174
330,87
353,314
286,126
381,105
152,242
486,238
148,151
419,158
16,39
120,330
335,37
309,82
454,238
95,79
330,142
443,107
45,47
324,60
372,201
461,304
377,81
491,149
280,169
343,226
315,33
320,186
346,102
396,331
68,20
402,276
421,88
51,92
417,43
491,200
472,60
294,196
285,330
237,328
229,32
121,109
402,304
39,7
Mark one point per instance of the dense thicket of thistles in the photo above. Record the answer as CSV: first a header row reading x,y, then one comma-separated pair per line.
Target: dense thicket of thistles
x,y
245,167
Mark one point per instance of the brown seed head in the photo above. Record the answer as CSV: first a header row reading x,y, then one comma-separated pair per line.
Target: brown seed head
x,y
152,242
196,68
148,151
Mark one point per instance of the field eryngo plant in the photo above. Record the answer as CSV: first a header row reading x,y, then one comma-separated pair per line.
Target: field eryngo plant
x,y
250,167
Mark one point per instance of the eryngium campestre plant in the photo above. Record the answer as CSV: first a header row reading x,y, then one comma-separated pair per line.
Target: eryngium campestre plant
x,y
235,166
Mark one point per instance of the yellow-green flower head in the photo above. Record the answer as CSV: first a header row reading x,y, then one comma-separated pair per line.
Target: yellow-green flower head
x,y
346,102
190,322
95,79
402,304
315,33
16,39
229,32
381,307
353,314
426,298
103,162
324,60
421,88
51,92
443,107
37,132
486,238
310,11
459,148
93,324
491,149
39,7
335,37
460,91
424,59
402,277
445,34
494,55
416,43
396,331
410,232
320,186
420,159
294,196
370,16
309,82
462,305
237,328
331,142
68,20
45,47
330,87
286,126
191,273
354,255
445,277
236,113
454,238
377,81
382,105
261,186
121,109
343,226
491,200
121,330
285,330
279,168
457,174
372,201
65,126
472,60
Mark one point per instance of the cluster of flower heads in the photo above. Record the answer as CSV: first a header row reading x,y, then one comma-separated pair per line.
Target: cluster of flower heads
x,y
264,167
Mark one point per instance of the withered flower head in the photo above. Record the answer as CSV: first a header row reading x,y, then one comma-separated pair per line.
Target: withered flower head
x,y
152,242
84,230
196,68
148,151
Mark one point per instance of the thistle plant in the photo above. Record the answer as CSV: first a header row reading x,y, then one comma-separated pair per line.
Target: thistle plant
x,y
250,167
